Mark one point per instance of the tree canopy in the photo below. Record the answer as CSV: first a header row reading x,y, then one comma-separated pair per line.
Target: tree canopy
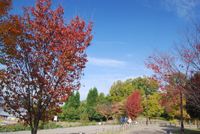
x,y
45,57
154,107
133,105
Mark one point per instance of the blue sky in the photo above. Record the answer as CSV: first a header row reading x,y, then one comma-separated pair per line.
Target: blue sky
x,y
125,33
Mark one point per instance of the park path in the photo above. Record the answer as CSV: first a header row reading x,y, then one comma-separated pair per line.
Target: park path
x,y
93,130
150,130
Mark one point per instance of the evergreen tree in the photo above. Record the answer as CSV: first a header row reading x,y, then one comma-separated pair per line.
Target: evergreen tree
x,y
92,100
77,100
69,110
71,101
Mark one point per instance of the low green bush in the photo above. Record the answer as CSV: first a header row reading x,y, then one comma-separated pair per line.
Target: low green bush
x,y
22,127
160,118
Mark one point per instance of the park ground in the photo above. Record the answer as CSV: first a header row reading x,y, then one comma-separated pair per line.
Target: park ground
x,y
101,129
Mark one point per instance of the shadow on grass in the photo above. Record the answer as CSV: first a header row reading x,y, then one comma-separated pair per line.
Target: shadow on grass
x,y
169,128
187,131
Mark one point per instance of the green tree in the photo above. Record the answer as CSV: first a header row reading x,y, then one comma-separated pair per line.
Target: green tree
x,y
80,111
150,86
102,98
120,90
138,84
84,117
173,108
70,110
92,100
70,114
77,99
121,110
71,101
154,107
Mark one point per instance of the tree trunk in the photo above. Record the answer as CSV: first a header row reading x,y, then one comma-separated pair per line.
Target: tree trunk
x,y
181,105
147,111
34,130
107,120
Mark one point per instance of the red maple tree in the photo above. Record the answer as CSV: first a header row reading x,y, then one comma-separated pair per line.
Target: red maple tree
x,y
133,105
107,109
5,6
182,63
45,57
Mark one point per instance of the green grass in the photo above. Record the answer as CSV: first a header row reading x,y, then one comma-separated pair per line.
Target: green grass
x,y
21,127
160,118
141,116
187,131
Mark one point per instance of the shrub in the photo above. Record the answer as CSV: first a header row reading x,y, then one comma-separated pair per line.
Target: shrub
x,y
84,118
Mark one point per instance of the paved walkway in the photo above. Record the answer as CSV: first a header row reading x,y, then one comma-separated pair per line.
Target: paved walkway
x,y
150,130
93,130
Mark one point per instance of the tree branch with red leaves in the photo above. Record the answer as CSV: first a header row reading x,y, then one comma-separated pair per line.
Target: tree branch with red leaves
x,y
45,58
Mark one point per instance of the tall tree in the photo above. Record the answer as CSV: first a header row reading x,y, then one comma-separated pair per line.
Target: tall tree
x,y
71,101
173,108
121,90
77,99
154,107
133,105
44,64
117,91
138,84
101,98
10,28
92,99
191,85
149,86
183,57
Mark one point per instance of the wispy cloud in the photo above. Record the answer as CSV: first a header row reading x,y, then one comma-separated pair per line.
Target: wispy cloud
x,y
181,7
129,55
110,43
106,62
103,82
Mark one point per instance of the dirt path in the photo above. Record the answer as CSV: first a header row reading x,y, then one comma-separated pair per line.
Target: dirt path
x,y
150,130
94,129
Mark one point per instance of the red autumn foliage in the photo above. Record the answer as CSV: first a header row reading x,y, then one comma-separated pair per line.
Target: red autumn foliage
x,y
45,57
192,88
182,62
133,105
107,109
5,6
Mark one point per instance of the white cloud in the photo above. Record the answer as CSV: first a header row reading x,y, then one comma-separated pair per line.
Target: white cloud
x,y
106,62
181,7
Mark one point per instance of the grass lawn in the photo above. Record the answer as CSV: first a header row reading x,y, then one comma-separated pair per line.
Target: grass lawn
x,y
187,131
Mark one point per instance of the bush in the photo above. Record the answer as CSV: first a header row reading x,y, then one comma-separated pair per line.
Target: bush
x,y
84,118
160,118
174,121
22,127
